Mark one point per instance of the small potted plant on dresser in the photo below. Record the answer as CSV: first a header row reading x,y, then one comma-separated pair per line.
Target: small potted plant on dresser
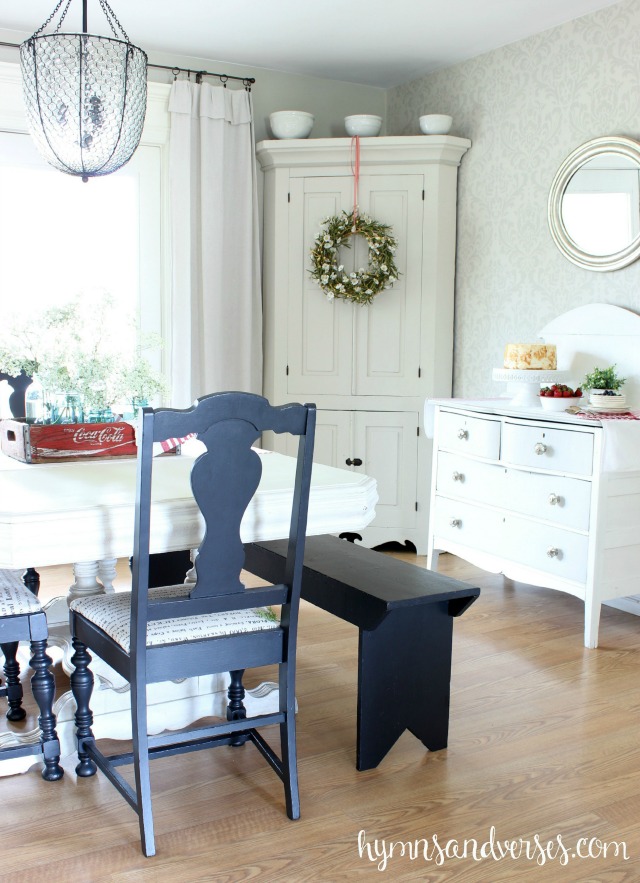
x,y
604,387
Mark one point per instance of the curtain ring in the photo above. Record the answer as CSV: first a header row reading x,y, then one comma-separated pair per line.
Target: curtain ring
x,y
223,79
175,71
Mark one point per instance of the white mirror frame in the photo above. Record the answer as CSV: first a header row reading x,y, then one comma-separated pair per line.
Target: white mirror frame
x,y
626,147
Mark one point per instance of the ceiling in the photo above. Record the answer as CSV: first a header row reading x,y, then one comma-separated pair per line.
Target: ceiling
x,y
373,42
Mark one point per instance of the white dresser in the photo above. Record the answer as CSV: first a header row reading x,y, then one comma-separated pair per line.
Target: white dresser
x,y
525,493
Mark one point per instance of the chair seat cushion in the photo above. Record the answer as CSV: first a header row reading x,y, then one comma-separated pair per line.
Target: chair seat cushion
x,y
112,614
15,597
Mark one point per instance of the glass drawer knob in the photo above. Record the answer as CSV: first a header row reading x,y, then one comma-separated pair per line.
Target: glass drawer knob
x,y
555,500
553,552
455,522
462,434
458,476
540,448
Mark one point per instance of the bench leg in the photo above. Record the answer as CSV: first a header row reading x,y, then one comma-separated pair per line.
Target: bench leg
x,y
404,674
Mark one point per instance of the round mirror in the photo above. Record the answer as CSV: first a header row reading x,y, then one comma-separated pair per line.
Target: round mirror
x,y
594,204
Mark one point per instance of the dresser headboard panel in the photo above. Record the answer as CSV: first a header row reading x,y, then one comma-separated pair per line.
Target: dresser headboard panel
x,y
598,335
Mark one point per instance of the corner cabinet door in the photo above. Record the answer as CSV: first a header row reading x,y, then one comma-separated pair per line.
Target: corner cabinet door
x,y
332,444
387,332
319,331
387,444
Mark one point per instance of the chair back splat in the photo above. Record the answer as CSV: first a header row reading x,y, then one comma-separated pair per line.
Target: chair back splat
x,y
17,399
213,624
17,404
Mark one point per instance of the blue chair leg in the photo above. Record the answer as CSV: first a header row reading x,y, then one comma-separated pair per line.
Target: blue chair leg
x,y
82,687
235,706
43,688
288,746
141,765
13,687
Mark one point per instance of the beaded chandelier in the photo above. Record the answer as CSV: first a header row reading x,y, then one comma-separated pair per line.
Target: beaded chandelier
x,y
85,96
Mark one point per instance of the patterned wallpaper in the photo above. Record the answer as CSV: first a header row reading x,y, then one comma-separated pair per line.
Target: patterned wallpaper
x,y
525,107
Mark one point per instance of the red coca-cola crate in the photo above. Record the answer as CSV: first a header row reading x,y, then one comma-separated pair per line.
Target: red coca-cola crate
x,y
35,443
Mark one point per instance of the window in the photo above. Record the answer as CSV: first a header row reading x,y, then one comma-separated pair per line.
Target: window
x,y
61,238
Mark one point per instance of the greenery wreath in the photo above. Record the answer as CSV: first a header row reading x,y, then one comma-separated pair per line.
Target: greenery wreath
x,y
360,286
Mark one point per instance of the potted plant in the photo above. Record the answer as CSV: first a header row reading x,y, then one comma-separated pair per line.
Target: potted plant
x,y
604,387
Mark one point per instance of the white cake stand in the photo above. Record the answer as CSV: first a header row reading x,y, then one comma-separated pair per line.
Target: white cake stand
x,y
526,384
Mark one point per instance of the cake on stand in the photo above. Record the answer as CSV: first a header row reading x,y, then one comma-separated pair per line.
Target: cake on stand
x,y
525,385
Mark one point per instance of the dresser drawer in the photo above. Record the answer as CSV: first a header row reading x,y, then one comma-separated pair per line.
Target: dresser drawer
x,y
545,547
564,501
557,498
560,450
471,435
458,476
468,525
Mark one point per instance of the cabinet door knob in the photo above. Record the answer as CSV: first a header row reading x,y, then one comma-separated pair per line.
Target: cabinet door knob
x,y
539,448
458,476
355,462
462,433
455,522
552,552
555,500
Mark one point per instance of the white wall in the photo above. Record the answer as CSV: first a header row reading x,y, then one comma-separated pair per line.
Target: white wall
x,y
525,107
329,100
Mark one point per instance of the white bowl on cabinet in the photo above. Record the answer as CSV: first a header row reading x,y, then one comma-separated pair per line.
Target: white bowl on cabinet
x,y
435,124
365,125
291,123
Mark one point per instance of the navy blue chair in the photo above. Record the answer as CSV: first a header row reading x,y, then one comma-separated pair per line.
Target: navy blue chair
x,y
17,399
22,619
18,405
216,625
12,581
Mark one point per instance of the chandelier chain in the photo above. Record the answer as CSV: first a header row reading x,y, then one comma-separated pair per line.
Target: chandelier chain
x,y
52,16
112,17
112,20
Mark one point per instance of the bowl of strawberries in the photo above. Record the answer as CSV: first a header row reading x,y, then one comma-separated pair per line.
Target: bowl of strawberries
x,y
559,397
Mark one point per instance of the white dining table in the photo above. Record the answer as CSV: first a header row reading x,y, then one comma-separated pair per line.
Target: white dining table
x,y
81,513
56,513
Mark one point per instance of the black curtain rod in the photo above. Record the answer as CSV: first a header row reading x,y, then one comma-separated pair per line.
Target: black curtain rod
x,y
246,81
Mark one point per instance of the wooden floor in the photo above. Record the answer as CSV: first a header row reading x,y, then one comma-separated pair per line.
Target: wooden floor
x,y
544,746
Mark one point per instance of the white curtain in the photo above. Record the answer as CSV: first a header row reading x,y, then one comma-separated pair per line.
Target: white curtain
x,y
216,311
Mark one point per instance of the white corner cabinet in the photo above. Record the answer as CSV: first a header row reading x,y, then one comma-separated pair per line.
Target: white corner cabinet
x,y
370,368
528,495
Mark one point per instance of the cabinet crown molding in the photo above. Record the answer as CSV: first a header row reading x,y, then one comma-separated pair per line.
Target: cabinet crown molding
x,y
391,150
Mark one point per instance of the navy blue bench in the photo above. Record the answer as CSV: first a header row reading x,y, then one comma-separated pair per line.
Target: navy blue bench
x,y
405,619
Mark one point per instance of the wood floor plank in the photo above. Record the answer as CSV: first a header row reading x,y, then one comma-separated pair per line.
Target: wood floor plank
x,y
543,743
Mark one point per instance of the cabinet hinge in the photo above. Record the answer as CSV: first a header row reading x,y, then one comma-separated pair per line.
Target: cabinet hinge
x,y
423,195
289,197
419,372
417,430
287,371
416,505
